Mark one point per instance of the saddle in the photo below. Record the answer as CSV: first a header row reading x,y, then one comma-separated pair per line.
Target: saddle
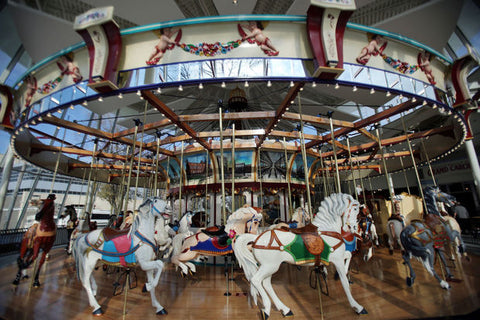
x,y
217,232
312,240
110,234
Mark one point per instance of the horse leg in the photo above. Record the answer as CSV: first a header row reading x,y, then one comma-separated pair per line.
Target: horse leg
x,y
267,284
36,282
156,265
406,261
449,275
429,265
178,261
153,270
89,265
338,262
262,273
391,237
373,231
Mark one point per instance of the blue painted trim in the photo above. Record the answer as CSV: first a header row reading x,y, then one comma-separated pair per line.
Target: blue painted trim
x,y
201,20
399,37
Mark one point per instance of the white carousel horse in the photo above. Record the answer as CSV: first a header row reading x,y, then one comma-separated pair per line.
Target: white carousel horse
x,y
137,248
83,226
273,247
215,242
183,232
300,218
422,239
162,236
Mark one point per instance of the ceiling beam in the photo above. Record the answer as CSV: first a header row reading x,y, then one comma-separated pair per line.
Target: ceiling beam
x,y
287,101
168,113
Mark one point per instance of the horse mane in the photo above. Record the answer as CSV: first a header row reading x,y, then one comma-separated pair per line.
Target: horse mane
x,y
331,209
238,215
136,221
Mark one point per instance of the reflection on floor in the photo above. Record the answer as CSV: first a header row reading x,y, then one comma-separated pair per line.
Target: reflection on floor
x,y
378,285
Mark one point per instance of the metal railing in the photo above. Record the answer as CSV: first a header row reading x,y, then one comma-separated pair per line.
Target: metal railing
x,y
10,239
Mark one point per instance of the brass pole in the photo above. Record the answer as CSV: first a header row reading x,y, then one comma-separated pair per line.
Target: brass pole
x,y
206,186
380,147
90,176
288,180
180,184
414,165
405,175
324,173
122,185
428,162
155,183
304,157
259,169
58,161
140,156
222,170
233,167
337,180
125,205
351,168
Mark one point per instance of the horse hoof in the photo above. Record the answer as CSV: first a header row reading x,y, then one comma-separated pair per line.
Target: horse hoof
x,y
144,289
16,282
409,281
390,251
363,311
97,312
36,284
264,315
162,312
288,314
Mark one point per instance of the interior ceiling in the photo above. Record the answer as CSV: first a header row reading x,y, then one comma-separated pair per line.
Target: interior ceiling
x,y
428,21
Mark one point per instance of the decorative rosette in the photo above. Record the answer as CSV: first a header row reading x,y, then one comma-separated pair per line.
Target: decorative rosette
x,y
231,235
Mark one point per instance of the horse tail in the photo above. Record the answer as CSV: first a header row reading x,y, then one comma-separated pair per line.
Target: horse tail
x,y
244,255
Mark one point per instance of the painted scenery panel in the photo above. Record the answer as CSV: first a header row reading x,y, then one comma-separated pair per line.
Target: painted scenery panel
x,y
243,164
272,166
173,171
298,172
196,166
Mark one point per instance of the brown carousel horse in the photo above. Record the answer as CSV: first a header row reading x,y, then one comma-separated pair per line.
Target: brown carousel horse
x,y
40,235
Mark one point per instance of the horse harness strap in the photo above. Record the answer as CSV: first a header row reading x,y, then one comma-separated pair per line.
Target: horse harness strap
x,y
101,239
335,235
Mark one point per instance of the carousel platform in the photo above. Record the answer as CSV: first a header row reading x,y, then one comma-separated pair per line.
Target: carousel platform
x,y
379,285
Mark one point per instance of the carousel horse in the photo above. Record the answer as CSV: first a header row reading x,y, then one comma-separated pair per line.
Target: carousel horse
x,y
216,241
395,225
83,226
125,248
319,242
181,233
300,218
422,239
162,237
40,235
72,222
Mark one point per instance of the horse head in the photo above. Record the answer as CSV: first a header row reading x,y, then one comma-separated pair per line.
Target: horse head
x,y
301,216
434,194
239,219
337,211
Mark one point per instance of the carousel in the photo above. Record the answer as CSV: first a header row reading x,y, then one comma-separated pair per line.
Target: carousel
x,y
249,120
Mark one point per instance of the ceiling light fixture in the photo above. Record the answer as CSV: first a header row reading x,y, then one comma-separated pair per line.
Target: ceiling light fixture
x,y
120,96
159,90
269,83
291,84
100,99
354,88
314,84
246,84
138,93
337,86
200,86
180,88
388,94
372,91
223,84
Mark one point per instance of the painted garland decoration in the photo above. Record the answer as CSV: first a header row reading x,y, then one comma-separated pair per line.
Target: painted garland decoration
x,y
50,85
400,66
210,49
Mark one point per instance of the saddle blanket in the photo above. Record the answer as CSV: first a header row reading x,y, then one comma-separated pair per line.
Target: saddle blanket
x,y
119,250
301,255
212,247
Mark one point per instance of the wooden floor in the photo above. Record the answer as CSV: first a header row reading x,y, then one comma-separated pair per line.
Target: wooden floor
x,y
379,286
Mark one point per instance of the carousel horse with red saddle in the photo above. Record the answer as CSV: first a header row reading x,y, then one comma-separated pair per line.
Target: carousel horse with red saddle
x,y
422,239
40,236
